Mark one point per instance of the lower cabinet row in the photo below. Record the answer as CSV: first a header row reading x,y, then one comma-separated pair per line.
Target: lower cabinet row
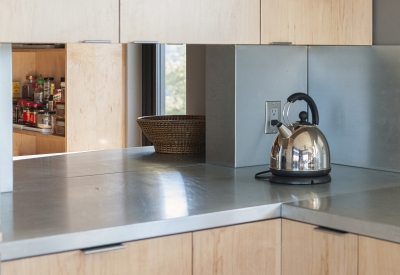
x,y
31,143
267,247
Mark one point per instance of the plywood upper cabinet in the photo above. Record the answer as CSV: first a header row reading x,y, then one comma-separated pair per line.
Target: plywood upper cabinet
x,y
191,21
251,249
308,250
95,96
311,22
61,21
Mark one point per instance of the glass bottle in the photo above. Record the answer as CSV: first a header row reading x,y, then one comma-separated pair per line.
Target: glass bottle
x,y
50,102
47,86
38,94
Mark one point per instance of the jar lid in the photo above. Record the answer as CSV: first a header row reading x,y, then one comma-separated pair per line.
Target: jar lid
x,y
60,119
49,78
52,112
41,111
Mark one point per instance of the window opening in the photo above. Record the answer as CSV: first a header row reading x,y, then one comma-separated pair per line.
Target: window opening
x,y
175,79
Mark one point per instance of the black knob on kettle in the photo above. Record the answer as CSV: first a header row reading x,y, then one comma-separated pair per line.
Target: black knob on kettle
x,y
303,116
310,102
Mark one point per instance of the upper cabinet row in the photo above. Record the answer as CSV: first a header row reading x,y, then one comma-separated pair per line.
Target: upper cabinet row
x,y
306,22
59,21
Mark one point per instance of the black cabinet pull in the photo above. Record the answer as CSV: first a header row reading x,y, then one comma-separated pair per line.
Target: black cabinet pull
x,y
104,248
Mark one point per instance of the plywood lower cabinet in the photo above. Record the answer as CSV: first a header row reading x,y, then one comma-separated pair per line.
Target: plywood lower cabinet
x,y
32,143
251,248
164,255
310,250
23,144
378,257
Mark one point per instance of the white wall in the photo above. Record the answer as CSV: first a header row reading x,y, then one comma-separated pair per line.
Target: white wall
x,y
6,145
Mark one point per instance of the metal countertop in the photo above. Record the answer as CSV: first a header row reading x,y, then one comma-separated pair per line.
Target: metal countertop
x,y
373,213
76,201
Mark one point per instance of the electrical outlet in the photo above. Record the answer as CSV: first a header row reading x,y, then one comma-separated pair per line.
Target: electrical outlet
x,y
272,116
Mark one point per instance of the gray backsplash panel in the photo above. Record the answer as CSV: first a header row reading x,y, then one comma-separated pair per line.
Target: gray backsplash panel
x,y
265,73
358,94
239,79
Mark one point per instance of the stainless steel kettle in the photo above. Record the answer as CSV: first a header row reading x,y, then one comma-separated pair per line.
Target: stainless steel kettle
x,y
300,152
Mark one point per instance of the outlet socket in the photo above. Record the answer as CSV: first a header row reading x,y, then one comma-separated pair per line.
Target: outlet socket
x,y
272,114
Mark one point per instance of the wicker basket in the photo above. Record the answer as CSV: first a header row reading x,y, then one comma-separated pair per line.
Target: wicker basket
x,y
175,134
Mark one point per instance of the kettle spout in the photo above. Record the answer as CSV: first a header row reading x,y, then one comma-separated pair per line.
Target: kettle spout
x,y
283,130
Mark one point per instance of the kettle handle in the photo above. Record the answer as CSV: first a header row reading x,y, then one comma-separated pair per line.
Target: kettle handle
x,y
310,102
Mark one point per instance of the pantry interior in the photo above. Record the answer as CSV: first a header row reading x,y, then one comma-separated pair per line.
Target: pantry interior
x,y
94,116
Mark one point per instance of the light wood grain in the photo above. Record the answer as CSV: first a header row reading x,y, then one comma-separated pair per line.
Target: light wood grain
x,y
378,257
23,144
165,255
95,95
252,248
23,64
32,143
297,248
48,21
49,62
310,22
306,251
335,253
191,21
49,145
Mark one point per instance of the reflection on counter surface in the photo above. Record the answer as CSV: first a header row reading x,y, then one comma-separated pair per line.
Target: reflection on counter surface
x,y
134,193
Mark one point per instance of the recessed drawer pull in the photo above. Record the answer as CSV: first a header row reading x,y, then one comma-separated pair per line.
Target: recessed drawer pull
x,y
104,248
330,231
282,43
97,41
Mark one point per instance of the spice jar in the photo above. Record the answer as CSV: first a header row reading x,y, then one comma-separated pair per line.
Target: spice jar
x,y
47,86
60,126
53,121
32,116
44,120
60,109
25,114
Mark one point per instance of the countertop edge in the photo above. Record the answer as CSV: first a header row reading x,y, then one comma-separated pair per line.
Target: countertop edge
x,y
92,238
356,226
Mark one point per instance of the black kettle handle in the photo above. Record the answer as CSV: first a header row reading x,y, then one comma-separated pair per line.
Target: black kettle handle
x,y
310,102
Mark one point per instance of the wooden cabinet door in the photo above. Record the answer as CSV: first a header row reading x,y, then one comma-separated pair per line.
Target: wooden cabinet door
x,y
23,144
310,22
60,21
191,21
95,96
164,255
49,145
251,248
307,250
378,257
